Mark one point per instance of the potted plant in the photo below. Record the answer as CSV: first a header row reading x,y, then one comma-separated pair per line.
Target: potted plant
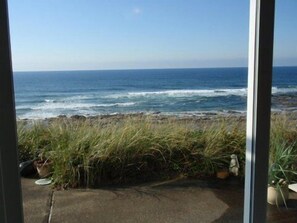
x,y
278,192
223,173
43,166
282,171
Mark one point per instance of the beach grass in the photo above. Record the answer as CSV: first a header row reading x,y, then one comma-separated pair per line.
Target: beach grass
x,y
89,153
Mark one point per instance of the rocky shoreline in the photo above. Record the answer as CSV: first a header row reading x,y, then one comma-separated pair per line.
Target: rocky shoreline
x,y
285,102
203,119
282,104
155,116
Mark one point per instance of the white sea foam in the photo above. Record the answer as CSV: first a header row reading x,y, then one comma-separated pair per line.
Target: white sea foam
x,y
38,115
276,90
17,107
62,105
183,93
77,106
198,92
79,97
73,98
70,105
49,100
125,104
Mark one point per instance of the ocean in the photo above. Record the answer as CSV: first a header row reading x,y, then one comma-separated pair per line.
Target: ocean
x,y
40,95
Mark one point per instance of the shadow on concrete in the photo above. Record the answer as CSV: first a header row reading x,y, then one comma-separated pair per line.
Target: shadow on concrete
x,y
230,191
179,200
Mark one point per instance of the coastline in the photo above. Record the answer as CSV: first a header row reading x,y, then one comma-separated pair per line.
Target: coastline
x,y
282,104
158,116
190,93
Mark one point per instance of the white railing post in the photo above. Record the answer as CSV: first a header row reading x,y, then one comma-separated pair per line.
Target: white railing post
x,y
258,109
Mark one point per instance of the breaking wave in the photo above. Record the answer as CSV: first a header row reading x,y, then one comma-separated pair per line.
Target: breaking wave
x,y
201,92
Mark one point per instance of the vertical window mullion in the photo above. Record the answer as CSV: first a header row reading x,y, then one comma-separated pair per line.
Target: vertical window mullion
x,y
10,189
258,109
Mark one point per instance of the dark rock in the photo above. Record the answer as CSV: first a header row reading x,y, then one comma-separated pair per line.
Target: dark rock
x,y
78,117
156,113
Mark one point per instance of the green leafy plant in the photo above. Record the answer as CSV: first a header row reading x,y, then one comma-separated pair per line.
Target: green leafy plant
x,y
283,160
283,169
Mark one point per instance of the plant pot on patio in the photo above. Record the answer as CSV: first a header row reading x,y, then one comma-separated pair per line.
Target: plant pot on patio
x,y
223,174
278,195
281,173
43,167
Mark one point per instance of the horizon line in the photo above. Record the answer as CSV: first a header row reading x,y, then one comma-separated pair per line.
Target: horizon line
x,y
127,69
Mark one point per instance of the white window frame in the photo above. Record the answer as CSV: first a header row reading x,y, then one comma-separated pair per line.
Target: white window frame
x,y
258,109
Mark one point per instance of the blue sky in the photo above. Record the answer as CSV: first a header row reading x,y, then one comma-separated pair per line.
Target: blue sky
x,y
131,34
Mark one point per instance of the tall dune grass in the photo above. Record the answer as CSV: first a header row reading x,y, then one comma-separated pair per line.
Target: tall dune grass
x,y
90,153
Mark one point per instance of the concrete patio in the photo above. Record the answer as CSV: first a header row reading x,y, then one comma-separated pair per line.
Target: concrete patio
x,y
173,201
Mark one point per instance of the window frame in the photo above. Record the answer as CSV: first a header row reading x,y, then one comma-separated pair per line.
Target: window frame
x,y
258,117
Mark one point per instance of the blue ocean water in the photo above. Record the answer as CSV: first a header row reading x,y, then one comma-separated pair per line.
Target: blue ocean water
x,y
168,91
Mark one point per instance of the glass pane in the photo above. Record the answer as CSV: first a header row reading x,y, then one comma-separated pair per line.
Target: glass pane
x,y
283,149
136,108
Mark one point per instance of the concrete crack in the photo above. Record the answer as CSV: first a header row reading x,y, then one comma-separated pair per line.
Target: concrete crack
x,y
51,201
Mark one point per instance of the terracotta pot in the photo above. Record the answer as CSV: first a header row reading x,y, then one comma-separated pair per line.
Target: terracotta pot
x,y
277,195
223,174
43,168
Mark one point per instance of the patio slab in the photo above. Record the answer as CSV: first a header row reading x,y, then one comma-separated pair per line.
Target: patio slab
x,y
166,202
138,204
36,201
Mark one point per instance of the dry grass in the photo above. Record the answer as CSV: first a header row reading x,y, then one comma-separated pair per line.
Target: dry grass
x,y
90,153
